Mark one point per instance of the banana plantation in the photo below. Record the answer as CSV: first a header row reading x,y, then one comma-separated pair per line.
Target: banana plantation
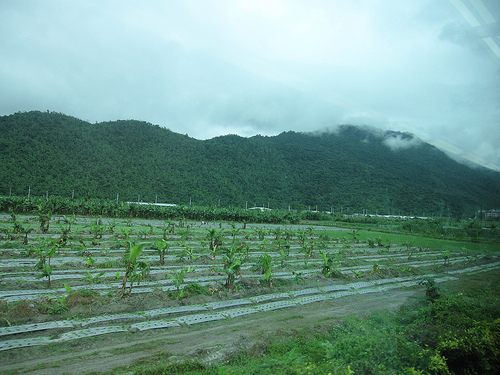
x,y
67,277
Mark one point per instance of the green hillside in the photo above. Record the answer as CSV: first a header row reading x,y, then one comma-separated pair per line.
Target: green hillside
x,y
350,169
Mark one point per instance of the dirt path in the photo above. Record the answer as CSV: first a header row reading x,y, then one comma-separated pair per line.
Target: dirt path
x,y
209,342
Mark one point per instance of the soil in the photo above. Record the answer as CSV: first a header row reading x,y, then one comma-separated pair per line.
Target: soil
x,y
208,342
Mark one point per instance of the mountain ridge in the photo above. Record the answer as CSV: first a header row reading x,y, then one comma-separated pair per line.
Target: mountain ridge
x,y
349,168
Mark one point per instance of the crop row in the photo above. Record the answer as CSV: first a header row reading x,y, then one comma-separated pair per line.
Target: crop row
x,y
165,248
200,313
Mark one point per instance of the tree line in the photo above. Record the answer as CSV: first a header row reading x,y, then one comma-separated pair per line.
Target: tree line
x,y
349,170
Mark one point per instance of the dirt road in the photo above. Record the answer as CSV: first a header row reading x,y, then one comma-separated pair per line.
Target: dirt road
x,y
208,342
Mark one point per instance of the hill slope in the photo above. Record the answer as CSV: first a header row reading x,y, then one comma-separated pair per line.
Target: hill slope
x,y
352,168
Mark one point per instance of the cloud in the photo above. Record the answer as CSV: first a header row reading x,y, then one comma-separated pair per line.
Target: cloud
x,y
400,141
247,67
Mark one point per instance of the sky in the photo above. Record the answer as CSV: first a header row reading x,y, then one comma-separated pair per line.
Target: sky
x,y
213,67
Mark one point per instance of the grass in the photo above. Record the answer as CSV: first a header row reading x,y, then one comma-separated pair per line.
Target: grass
x,y
424,337
152,345
417,241
291,317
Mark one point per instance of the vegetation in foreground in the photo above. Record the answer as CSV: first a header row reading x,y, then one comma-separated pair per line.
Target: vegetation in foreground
x,y
452,331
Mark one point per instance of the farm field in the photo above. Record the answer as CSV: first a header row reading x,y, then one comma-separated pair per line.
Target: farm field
x,y
81,293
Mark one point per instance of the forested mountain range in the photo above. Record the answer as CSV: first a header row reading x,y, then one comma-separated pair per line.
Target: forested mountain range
x,y
350,168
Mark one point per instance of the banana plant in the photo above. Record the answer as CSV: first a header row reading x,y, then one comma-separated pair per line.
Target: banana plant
x,y
260,233
65,229
26,229
446,258
141,271
308,247
234,232
185,233
162,247
354,235
231,269
299,277
287,247
233,260
267,277
16,225
215,239
279,241
93,279
277,233
288,234
169,226
302,236
125,233
97,228
187,251
132,266
329,268
178,277
245,250
283,257
44,215
143,234
263,244
46,271
68,222
265,262
43,265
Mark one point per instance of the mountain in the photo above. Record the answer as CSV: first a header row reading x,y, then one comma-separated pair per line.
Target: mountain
x,y
349,168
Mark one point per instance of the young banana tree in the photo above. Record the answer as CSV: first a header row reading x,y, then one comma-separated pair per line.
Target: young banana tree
x,y
215,238
308,248
277,233
134,269
44,215
327,263
260,233
233,260
26,229
187,251
65,229
178,277
234,232
162,248
16,225
265,262
283,257
43,265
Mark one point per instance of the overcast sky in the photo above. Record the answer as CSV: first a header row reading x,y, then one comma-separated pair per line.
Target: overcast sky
x,y
214,67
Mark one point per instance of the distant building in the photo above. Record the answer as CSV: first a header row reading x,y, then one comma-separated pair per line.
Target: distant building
x,y
260,208
492,214
154,204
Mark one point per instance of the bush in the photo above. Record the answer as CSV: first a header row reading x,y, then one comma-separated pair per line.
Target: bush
x,y
476,352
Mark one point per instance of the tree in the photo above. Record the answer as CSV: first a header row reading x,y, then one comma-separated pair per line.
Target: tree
x,y
134,269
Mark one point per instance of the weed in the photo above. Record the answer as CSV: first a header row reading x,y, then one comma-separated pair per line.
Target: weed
x,y
58,306
196,289
291,317
93,279
432,292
